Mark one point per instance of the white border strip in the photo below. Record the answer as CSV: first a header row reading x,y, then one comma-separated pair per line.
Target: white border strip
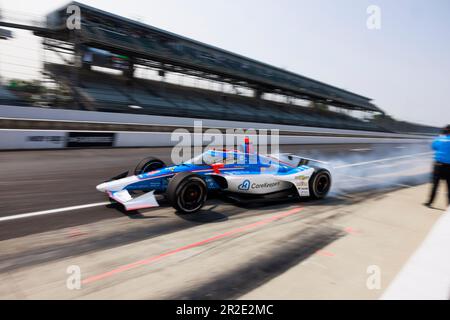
x,y
426,276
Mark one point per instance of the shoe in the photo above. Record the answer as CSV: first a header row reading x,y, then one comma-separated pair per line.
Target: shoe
x,y
427,204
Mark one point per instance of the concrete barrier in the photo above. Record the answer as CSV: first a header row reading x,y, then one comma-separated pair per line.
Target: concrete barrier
x,y
58,128
21,139
32,113
48,139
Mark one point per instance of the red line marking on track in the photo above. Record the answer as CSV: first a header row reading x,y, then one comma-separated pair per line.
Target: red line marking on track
x,y
189,246
350,230
76,233
325,253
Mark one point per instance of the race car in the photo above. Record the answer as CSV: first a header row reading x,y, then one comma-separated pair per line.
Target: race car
x,y
240,173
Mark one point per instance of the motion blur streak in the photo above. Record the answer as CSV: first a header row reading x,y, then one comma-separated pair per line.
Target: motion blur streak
x,y
192,245
382,160
379,169
378,180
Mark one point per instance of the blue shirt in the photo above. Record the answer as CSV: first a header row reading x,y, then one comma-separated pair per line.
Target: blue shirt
x,y
442,147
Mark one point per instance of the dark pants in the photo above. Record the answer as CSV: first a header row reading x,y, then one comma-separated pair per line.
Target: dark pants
x,y
441,172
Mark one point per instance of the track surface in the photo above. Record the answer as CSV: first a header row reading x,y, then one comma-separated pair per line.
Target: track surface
x,y
207,255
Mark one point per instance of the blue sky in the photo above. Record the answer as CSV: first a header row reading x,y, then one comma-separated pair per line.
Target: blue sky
x,y
404,66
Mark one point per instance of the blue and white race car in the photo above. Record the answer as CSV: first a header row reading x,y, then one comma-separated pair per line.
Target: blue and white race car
x,y
241,174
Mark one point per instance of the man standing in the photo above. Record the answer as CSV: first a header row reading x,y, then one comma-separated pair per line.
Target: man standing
x,y
441,146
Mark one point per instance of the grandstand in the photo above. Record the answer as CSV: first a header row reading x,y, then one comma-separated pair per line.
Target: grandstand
x,y
138,41
7,97
109,41
387,123
98,91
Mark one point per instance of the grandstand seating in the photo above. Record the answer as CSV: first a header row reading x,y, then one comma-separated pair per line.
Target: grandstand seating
x,y
104,92
107,31
389,124
181,52
7,97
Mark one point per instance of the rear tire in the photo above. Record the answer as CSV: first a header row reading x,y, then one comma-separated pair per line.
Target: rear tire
x,y
187,192
148,165
320,184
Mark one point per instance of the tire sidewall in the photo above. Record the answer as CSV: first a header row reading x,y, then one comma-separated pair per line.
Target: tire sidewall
x,y
313,184
177,186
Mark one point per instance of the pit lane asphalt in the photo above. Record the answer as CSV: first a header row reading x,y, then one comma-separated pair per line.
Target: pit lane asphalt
x,y
43,180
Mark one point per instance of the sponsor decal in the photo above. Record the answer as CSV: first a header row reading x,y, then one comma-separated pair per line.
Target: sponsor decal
x,y
301,181
303,192
245,185
90,139
266,185
51,139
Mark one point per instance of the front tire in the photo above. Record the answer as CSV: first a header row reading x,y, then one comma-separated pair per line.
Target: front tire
x,y
187,192
148,165
320,184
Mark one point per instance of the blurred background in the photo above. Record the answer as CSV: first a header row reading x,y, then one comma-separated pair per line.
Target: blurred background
x,y
390,74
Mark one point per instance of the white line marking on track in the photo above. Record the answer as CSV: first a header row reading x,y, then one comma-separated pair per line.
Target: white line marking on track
x,y
361,149
52,211
382,160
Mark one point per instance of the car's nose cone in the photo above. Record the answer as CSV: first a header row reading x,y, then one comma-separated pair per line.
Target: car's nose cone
x,y
101,187
117,185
